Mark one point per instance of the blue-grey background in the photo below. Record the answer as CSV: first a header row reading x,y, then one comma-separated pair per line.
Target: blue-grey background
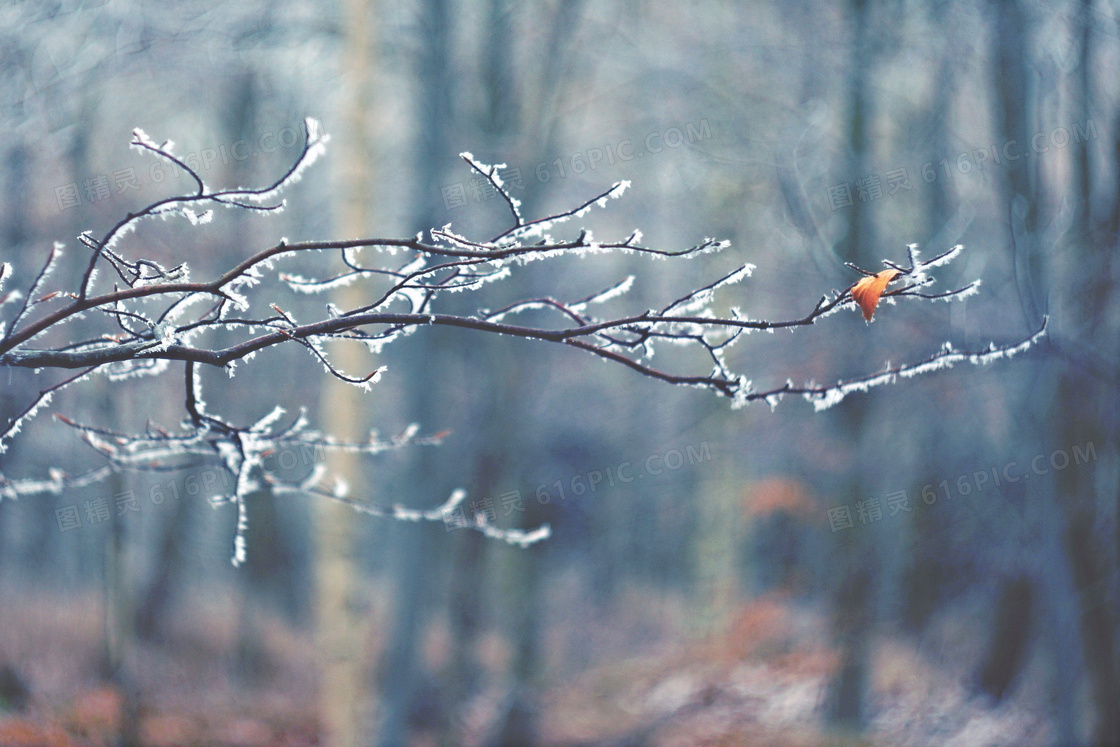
x,y
931,562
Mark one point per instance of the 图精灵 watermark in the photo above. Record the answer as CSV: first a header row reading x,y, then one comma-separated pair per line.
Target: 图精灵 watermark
x,y
870,187
628,472
870,510
478,189
111,184
211,481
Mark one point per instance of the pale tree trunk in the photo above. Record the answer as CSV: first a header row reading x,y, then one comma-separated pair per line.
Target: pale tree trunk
x,y
343,632
716,542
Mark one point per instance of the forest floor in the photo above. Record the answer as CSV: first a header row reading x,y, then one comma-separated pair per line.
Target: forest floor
x,y
638,673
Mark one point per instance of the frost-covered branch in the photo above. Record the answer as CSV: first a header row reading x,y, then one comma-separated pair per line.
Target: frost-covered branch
x,y
138,316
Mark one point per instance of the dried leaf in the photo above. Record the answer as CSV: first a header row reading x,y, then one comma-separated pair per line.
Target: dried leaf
x,y
97,713
777,495
17,732
867,291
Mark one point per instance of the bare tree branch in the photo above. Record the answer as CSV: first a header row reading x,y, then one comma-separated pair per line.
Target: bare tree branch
x,y
130,340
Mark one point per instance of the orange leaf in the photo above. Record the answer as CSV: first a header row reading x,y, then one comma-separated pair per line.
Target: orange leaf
x,y
867,291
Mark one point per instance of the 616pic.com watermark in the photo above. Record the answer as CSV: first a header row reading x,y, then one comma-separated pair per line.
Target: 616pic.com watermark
x,y
870,510
625,473
101,187
870,187
99,510
479,189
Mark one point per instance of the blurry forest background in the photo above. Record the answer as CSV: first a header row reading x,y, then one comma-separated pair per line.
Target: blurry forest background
x,y
931,563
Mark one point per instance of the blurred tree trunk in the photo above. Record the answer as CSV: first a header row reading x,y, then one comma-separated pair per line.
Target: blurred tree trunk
x,y
718,535
499,406
1014,122
1015,92
1086,281
264,581
154,602
562,28
1110,217
1079,279
16,229
465,613
1010,635
119,597
343,632
924,577
43,549
170,566
942,204
852,596
268,579
414,558
519,721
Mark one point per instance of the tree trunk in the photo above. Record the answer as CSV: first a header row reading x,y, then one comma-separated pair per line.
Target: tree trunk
x,y
414,561
852,598
342,631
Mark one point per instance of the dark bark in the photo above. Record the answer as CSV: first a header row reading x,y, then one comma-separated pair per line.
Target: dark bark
x,y
1011,633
